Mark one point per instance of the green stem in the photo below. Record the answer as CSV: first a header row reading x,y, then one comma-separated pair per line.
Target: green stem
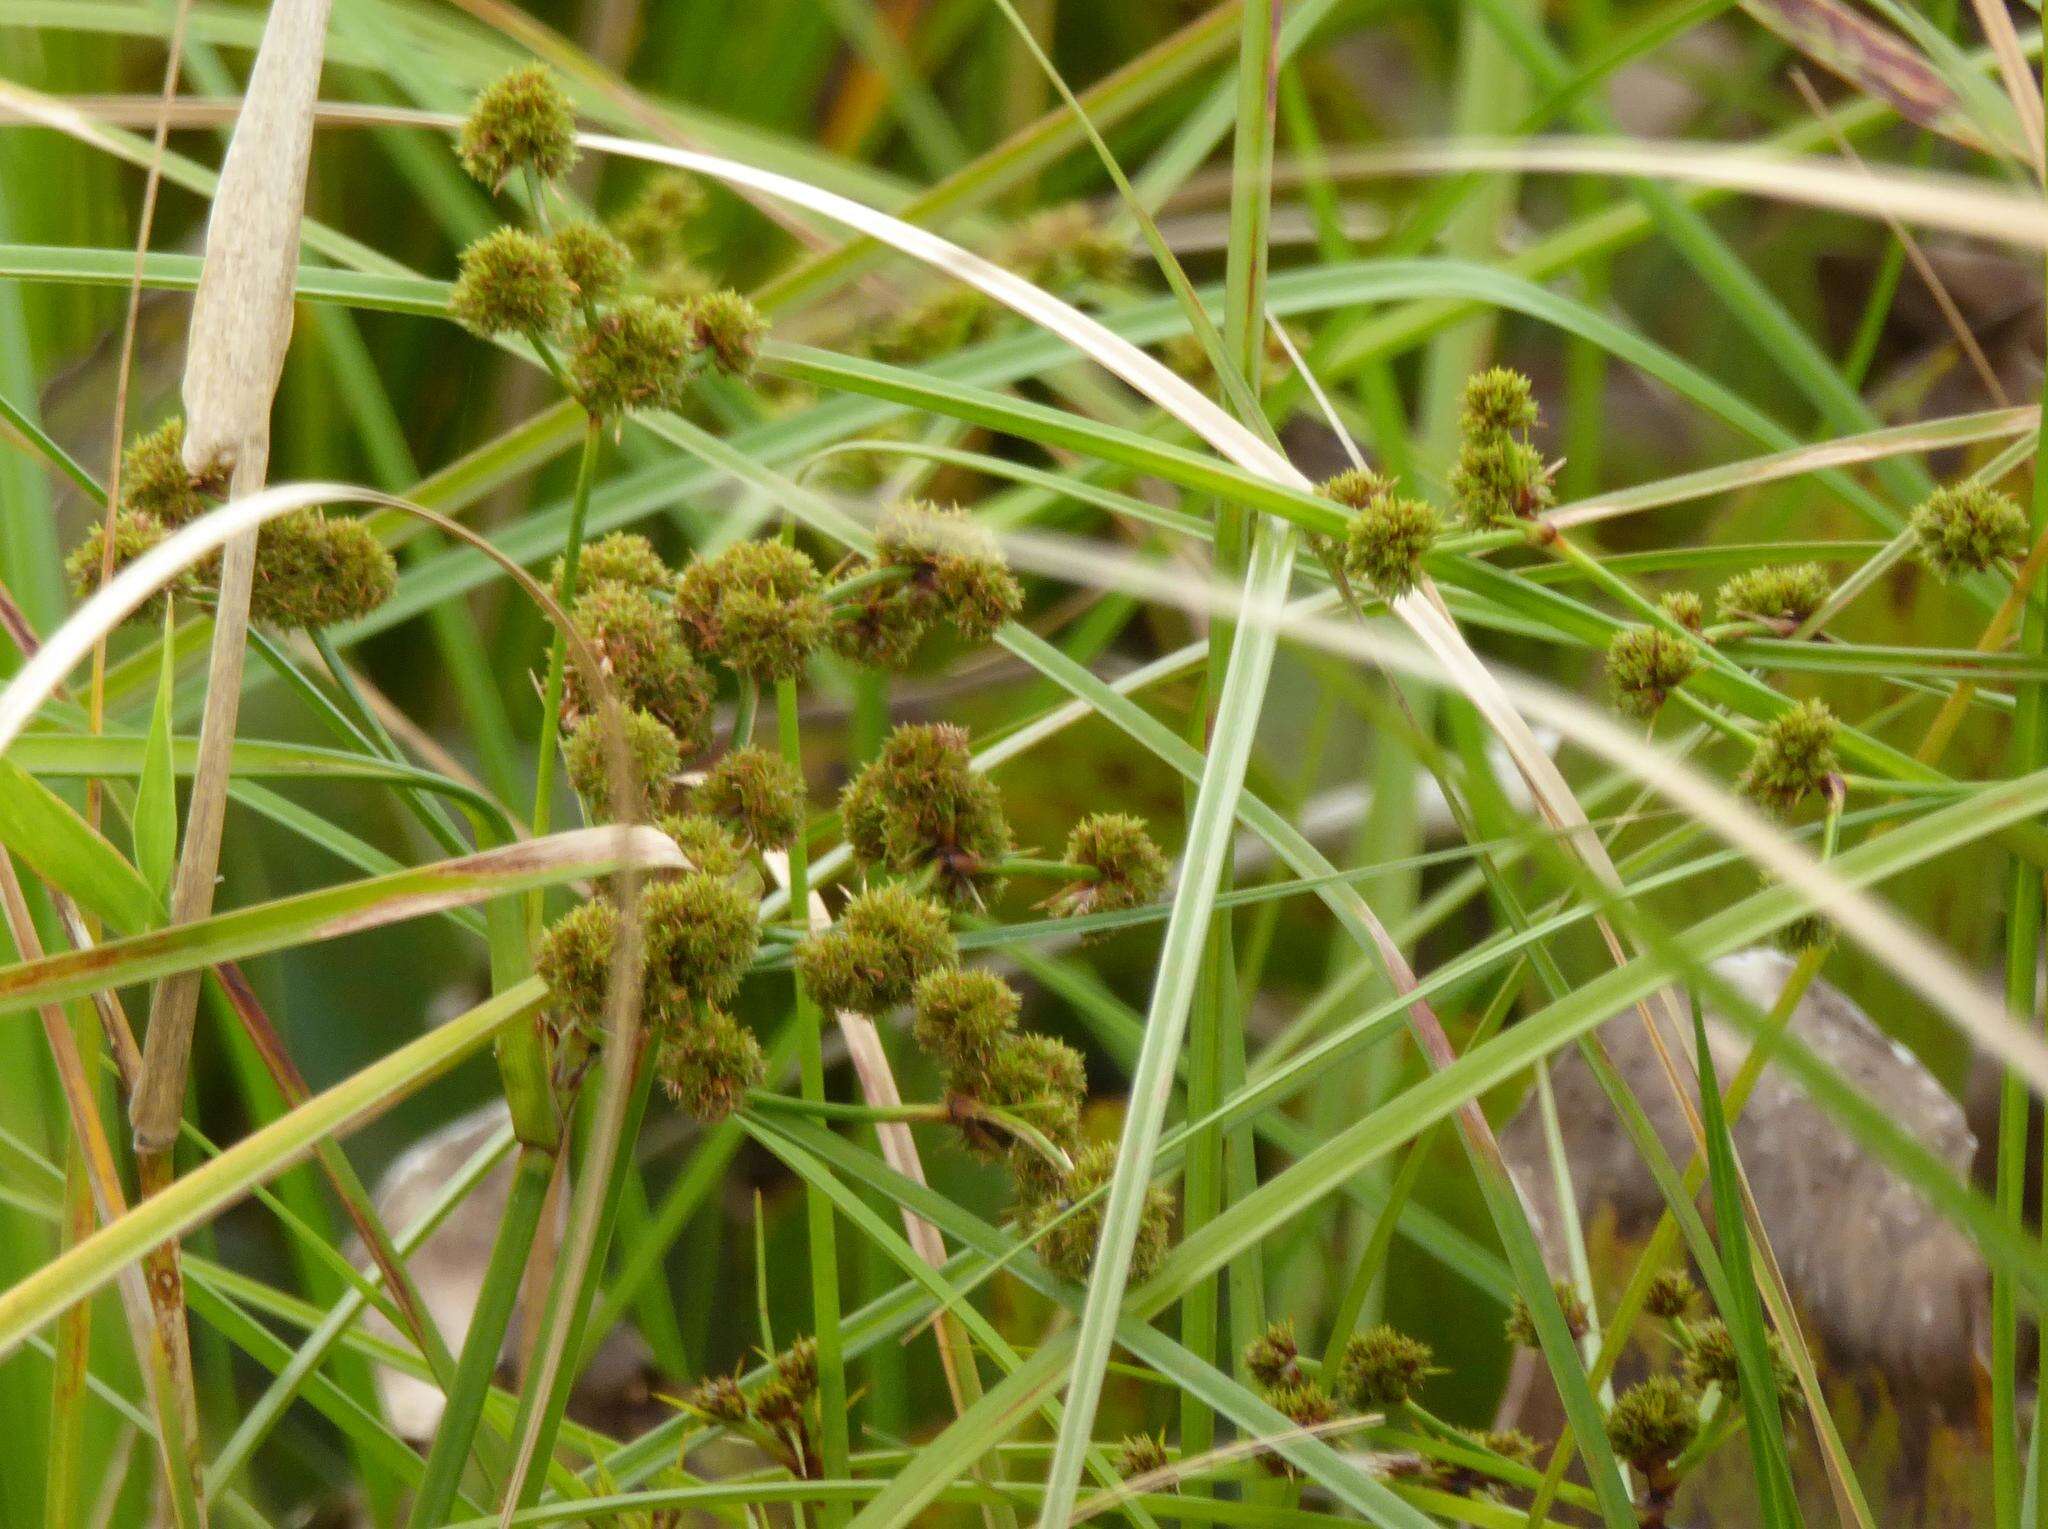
x,y
558,650
833,1444
744,712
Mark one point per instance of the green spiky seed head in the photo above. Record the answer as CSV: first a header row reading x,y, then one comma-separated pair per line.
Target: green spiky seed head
x,y
1272,1358
155,479
1062,247
650,746
777,1407
574,959
1040,1078
1129,869
1785,594
705,843
1383,1367
758,794
1497,400
1672,1294
1521,1324
880,628
1685,608
1141,1454
313,570
701,934
717,1399
1509,1443
708,1066
1386,543
520,121
1068,1247
919,805
634,639
636,355
623,557
757,607
1967,527
511,283
655,227
1652,1422
1711,1359
1356,487
135,532
797,1366
1303,1403
870,961
592,258
964,1017
727,328
1795,756
1498,481
1645,664
951,562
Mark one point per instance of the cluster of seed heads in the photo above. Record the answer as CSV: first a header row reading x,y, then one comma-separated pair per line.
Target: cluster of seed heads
x,y
1389,534
630,333
932,565
780,1415
313,569
1499,477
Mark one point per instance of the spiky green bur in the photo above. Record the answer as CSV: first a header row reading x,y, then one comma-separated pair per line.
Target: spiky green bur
x,y
760,795
727,328
656,226
1273,1357
1710,1359
1040,1079
1386,542
1498,478
135,532
707,1066
717,1399
1067,1247
797,1367
1383,1367
1685,608
757,607
1356,487
1967,527
520,121
705,843
642,658
951,565
1653,1421
635,355
1064,247
315,570
1795,756
1521,1324
880,628
592,258
1671,1295
965,1018
511,283
622,557
1129,870
1303,1403
1141,1454
1645,664
920,806
651,748
156,481
698,937
870,961
1510,1444
1785,594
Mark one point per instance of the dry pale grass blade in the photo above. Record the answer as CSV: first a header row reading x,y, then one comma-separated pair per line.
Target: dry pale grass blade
x,y
234,357
1923,198
1877,61
2019,80
1917,960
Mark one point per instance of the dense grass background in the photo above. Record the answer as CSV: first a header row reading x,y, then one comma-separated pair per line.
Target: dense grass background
x,y
1671,327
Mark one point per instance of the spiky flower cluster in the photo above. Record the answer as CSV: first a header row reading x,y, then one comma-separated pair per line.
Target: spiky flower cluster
x,y
1383,1367
656,228
886,938
759,795
1967,527
1710,1360
782,1414
757,607
921,809
652,757
1499,477
932,564
994,1072
1652,1422
1142,1454
312,569
1521,1323
1389,535
1781,596
1065,1237
622,352
1672,1295
1274,1357
1794,758
1125,868
643,660
1685,608
1645,664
